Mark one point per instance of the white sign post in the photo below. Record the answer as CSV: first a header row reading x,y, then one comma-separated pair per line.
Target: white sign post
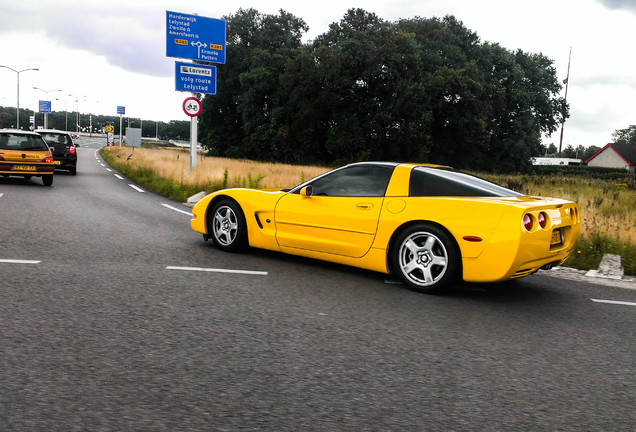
x,y
203,40
192,107
121,110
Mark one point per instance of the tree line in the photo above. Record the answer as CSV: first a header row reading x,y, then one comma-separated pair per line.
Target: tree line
x,y
419,89
74,121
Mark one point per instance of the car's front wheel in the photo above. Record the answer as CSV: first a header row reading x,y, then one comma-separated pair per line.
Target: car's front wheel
x,y
425,258
227,226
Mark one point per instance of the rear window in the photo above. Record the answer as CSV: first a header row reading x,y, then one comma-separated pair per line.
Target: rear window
x,y
57,139
426,181
19,142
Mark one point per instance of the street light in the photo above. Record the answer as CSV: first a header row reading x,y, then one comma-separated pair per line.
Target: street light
x,y
77,119
65,112
46,115
17,110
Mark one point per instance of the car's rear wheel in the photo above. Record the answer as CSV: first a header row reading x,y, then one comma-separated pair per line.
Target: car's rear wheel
x,y
425,258
47,180
227,226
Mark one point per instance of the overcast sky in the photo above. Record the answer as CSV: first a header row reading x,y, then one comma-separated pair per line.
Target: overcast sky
x,y
110,53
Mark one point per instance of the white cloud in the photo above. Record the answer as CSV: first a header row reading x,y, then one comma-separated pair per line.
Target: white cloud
x,y
114,52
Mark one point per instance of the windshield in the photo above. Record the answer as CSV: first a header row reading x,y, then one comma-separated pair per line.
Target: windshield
x,y
19,142
56,139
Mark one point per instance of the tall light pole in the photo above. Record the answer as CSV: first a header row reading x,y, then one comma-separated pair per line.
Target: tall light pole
x,y
65,112
17,109
46,115
77,119
565,100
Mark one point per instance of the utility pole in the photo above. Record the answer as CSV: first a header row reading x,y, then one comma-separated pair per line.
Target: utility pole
x,y
565,100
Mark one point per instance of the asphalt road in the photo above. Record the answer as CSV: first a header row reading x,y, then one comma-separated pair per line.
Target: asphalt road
x,y
115,316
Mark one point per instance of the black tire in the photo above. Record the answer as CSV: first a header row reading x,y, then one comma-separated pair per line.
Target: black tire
x,y
73,171
227,227
425,258
47,180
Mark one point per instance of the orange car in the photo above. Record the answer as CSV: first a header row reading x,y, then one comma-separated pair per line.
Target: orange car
x,y
25,154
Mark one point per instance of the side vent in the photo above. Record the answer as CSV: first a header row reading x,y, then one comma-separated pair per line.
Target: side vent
x,y
258,221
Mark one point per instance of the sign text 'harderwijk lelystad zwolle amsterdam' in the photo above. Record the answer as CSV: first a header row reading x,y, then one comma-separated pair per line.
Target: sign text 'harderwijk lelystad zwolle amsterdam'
x,y
195,38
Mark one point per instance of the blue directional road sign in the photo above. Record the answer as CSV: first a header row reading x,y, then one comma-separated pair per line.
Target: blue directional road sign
x,y
194,37
45,107
121,110
195,78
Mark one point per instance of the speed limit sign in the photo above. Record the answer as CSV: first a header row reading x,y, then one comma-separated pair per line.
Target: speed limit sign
x,y
192,106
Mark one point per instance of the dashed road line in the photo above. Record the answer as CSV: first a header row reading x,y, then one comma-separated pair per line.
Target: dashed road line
x,y
616,302
16,261
176,209
119,177
217,270
137,188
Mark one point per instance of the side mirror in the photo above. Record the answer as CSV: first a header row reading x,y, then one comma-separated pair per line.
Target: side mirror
x,y
306,191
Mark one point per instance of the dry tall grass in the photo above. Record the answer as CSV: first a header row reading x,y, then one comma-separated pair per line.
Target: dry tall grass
x,y
606,208
210,171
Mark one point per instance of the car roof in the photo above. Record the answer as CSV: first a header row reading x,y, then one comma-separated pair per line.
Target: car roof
x,y
394,164
52,131
18,132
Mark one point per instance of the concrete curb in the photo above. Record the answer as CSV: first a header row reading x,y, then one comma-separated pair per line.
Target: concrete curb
x,y
195,199
609,273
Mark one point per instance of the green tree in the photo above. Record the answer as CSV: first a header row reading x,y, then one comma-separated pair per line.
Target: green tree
x,y
625,136
239,120
418,89
589,152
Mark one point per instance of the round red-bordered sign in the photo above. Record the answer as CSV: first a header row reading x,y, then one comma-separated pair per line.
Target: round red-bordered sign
x,y
192,106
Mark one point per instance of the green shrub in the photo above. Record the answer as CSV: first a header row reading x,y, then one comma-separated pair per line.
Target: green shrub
x,y
589,252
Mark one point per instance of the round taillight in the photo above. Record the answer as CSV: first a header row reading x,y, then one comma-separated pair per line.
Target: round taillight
x,y
527,222
542,220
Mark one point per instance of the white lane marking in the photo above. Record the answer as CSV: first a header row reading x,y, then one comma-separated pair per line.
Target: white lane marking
x,y
177,210
119,177
138,189
616,302
109,170
1,195
102,164
392,282
203,269
14,261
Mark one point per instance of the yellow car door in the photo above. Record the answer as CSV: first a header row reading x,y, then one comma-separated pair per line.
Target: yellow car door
x,y
336,213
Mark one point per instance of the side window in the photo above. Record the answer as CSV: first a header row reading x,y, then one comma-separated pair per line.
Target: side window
x,y
362,181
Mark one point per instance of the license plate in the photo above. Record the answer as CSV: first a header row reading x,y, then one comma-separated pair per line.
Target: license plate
x,y
24,168
57,162
557,238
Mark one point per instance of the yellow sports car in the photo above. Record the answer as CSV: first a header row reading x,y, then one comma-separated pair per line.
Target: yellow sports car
x,y
430,225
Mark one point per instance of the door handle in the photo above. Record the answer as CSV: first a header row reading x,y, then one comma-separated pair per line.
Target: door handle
x,y
364,206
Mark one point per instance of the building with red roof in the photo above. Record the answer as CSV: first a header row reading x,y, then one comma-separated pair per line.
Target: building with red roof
x,y
615,155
